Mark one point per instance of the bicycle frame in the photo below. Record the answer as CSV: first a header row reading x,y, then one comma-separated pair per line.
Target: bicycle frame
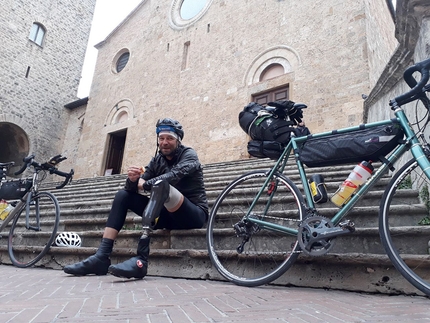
x,y
24,202
411,143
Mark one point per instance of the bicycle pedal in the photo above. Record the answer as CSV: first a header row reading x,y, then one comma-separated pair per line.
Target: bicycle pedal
x,y
348,225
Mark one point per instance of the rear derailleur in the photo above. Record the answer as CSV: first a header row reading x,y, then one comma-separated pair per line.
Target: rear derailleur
x,y
317,234
245,229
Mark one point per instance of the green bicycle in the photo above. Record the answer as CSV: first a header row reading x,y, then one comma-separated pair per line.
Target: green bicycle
x,y
261,222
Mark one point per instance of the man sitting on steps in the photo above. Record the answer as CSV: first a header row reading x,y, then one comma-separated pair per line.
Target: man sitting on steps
x,y
177,201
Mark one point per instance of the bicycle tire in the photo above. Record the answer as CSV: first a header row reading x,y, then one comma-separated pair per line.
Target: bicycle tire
x,y
27,246
266,255
405,238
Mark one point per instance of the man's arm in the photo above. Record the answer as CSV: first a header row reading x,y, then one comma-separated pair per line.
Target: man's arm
x,y
187,164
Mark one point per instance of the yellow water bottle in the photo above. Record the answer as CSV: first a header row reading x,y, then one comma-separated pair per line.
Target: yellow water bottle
x,y
318,189
5,209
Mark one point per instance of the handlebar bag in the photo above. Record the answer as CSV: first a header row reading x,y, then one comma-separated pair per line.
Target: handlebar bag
x,y
14,189
365,144
265,149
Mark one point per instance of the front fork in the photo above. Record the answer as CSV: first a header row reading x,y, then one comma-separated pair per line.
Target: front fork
x,y
35,204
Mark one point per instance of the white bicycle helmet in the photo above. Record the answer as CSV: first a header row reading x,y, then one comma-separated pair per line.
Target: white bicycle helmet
x,y
68,239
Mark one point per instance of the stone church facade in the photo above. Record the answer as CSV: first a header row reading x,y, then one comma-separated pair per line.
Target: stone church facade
x,y
43,49
203,67
200,65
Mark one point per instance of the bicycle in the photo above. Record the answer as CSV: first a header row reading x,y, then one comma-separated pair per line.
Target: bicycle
x,y
30,240
261,222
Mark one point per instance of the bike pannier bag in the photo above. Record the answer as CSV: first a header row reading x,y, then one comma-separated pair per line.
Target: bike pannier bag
x,y
14,189
263,149
353,147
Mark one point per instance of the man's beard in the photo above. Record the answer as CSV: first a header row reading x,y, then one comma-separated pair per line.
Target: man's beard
x,y
171,154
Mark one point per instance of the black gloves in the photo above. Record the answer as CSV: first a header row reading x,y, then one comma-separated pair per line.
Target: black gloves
x,y
284,108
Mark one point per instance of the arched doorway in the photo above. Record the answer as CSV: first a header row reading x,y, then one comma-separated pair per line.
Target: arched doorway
x,y
14,145
115,152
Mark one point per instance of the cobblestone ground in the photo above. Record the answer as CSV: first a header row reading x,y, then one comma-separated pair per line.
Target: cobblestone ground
x,y
42,295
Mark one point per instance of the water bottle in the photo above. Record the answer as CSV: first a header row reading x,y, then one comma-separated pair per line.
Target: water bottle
x,y
318,189
6,210
356,178
3,205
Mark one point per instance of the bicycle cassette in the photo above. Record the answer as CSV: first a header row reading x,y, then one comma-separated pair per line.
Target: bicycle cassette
x,y
311,235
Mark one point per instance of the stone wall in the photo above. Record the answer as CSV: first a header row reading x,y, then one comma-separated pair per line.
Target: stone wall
x,y
413,33
324,45
37,81
380,42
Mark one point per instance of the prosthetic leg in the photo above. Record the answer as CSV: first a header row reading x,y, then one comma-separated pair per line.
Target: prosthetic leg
x,y
137,267
159,194
97,264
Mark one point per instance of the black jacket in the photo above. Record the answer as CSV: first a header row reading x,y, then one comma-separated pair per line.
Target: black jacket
x,y
184,172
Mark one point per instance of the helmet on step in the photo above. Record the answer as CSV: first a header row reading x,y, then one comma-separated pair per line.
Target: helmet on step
x,y
68,239
170,125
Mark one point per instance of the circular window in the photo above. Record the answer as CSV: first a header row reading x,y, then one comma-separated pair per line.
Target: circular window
x,y
120,60
185,12
191,8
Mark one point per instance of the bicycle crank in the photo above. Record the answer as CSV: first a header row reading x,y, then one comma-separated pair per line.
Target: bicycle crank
x,y
316,234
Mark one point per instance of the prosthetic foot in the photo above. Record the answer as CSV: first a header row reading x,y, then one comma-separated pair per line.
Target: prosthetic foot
x,y
159,194
135,267
97,264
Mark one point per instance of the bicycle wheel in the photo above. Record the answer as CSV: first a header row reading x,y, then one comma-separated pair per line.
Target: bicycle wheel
x,y
404,224
28,244
267,253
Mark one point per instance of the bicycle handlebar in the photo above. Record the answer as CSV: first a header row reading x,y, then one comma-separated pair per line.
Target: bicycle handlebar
x,y
26,161
68,176
49,166
418,89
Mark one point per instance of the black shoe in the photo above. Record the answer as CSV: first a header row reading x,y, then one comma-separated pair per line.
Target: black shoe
x,y
97,264
92,265
135,267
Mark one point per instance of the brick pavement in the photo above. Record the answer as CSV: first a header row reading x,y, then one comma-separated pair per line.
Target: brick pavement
x,y
43,295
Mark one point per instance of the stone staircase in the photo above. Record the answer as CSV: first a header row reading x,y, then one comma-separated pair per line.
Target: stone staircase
x,y
357,262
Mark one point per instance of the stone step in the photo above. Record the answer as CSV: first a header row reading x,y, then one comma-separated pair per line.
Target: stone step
x,y
85,205
364,239
335,271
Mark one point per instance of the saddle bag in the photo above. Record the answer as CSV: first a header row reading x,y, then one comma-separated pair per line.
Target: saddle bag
x,y
263,125
14,189
269,132
366,144
263,149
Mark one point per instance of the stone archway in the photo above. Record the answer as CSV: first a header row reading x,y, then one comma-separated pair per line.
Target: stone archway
x,y
14,144
282,55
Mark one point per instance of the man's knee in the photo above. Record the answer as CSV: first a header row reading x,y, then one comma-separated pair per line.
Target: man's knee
x,y
122,194
175,199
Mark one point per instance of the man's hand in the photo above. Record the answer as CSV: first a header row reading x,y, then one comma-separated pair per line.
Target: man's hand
x,y
133,173
140,184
